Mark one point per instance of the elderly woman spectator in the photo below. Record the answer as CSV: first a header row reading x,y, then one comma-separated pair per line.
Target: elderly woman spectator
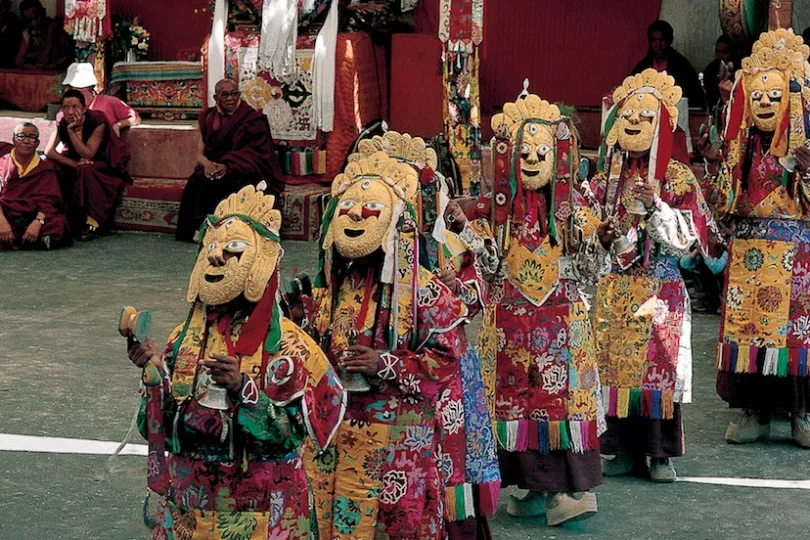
x,y
30,198
91,160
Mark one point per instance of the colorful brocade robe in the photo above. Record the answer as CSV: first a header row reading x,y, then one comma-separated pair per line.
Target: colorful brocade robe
x,y
236,473
642,313
765,327
537,333
380,476
468,460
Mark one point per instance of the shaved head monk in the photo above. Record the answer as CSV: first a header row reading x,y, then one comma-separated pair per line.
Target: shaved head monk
x,y
236,150
30,198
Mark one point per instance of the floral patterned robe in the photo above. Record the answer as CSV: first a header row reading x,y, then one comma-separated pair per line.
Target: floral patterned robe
x,y
380,477
236,473
765,329
537,333
643,318
468,461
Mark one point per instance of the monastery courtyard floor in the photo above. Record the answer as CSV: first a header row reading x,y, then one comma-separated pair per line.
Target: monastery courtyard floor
x,y
64,373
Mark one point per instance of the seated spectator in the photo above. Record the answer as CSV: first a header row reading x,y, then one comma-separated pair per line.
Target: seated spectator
x,y
82,77
45,44
237,149
714,72
662,57
11,35
30,198
91,160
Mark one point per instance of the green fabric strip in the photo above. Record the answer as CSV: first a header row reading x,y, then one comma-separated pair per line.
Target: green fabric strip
x,y
257,226
784,362
461,510
501,431
609,121
272,343
552,221
635,402
329,213
565,441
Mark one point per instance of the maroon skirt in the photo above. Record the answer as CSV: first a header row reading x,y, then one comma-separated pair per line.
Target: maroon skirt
x,y
780,395
639,436
474,528
558,472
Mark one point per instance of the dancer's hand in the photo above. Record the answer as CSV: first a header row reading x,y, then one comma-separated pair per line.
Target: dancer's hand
x,y
225,371
455,218
802,157
360,359
448,277
142,352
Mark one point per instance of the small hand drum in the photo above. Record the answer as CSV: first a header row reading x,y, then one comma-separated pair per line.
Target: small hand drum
x,y
135,324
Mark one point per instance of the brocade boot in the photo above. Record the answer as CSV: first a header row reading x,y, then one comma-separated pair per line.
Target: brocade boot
x,y
801,430
752,426
532,504
622,465
564,507
662,471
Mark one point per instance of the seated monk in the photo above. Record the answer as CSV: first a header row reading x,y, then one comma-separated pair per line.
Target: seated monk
x,y
81,76
91,160
11,35
236,150
45,43
30,198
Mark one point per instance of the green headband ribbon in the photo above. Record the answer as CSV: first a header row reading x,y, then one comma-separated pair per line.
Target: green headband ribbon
x,y
213,220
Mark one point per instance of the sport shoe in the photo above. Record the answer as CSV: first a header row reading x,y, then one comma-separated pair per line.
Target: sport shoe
x,y
532,504
662,470
801,430
564,507
748,429
622,465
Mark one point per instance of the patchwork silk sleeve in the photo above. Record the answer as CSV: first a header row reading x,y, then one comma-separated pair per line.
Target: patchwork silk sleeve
x,y
478,238
157,404
434,360
684,220
591,260
302,396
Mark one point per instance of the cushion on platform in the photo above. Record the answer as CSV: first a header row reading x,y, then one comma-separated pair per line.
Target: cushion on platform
x,y
302,208
150,205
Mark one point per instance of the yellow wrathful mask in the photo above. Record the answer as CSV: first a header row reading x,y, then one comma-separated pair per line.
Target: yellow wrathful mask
x,y
776,58
371,195
240,250
638,110
531,122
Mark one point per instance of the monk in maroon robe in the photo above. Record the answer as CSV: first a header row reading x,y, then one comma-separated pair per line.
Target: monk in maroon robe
x,y
30,198
92,161
237,149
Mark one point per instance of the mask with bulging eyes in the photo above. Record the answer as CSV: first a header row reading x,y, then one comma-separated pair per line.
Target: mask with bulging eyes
x,y
765,97
235,260
536,152
362,218
636,122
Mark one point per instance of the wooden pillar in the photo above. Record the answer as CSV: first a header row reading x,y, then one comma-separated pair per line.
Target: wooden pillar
x,y
780,14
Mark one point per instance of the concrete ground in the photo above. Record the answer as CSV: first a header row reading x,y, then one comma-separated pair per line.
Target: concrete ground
x,y
64,372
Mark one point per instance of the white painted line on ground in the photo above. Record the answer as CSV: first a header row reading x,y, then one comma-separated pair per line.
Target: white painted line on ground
x,y
60,445
748,482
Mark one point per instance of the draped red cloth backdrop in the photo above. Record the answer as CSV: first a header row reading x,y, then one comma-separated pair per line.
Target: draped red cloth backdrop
x,y
176,25
572,51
